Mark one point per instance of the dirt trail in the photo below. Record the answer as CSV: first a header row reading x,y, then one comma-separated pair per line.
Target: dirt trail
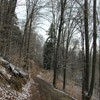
x,y
47,92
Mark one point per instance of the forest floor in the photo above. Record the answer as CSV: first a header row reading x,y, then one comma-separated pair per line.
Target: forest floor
x,y
36,89
47,92
39,87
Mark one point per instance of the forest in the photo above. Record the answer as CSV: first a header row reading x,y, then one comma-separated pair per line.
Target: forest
x,y
52,52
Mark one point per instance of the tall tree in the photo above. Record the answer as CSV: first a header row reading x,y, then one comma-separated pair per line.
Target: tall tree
x,y
32,11
86,67
62,10
7,12
88,87
99,68
49,47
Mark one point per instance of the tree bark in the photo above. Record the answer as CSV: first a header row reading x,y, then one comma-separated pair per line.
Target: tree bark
x,y
94,50
88,88
99,69
9,12
63,3
85,84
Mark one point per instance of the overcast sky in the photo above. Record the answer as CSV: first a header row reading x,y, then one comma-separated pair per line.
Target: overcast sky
x,y
20,10
21,13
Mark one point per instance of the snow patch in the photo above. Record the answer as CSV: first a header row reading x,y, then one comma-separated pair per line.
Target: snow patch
x,y
65,94
40,76
6,93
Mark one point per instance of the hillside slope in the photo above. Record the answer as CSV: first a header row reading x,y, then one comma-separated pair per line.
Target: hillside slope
x,y
18,85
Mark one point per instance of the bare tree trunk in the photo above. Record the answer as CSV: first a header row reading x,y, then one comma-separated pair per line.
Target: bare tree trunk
x,y
33,8
85,84
58,41
65,62
87,46
88,89
94,50
28,42
9,12
83,57
99,69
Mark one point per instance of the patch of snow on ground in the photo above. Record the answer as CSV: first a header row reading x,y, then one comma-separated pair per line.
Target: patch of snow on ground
x,y
40,75
8,94
65,94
